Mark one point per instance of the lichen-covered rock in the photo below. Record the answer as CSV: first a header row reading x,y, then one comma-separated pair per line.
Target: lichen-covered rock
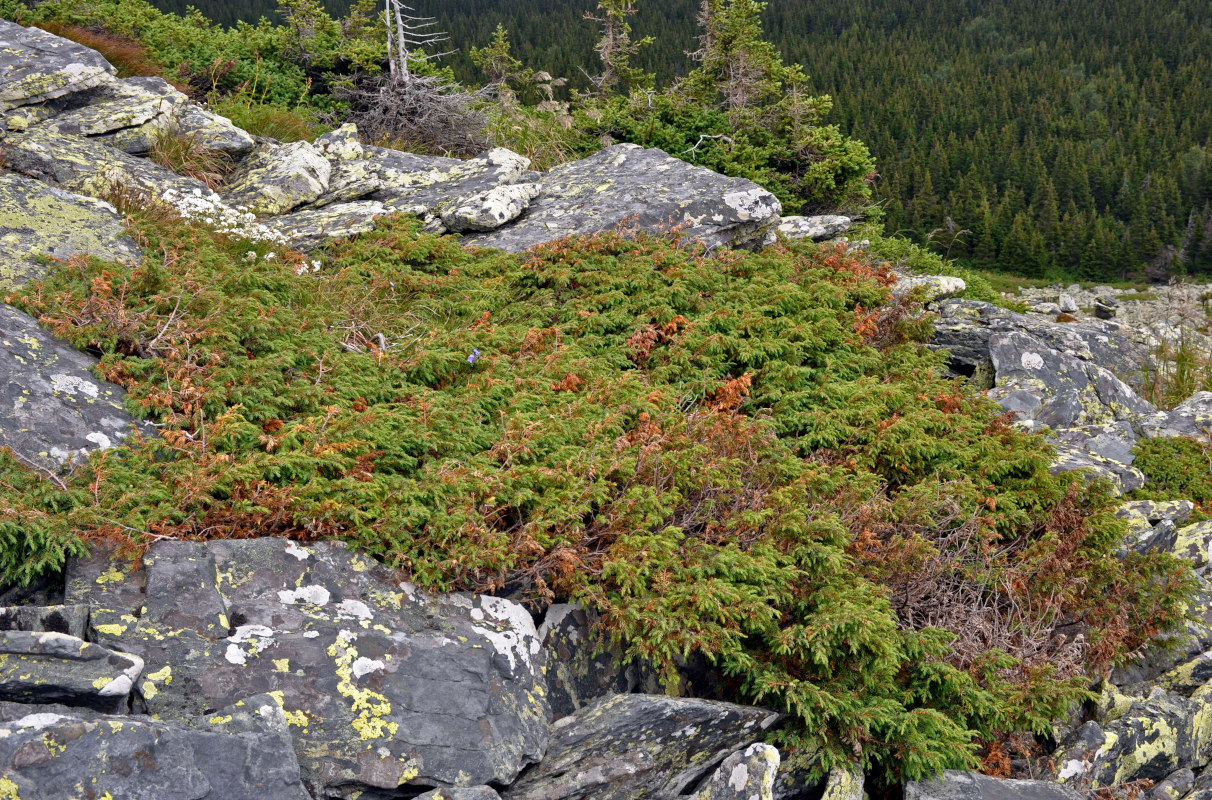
x,y
127,115
635,745
1190,418
489,210
47,667
928,288
1194,543
411,180
582,667
308,229
798,776
644,189
824,226
84,165
1072,391
1176,785
1103,451
957,785
1153,738
354,173
278,178
1142,515
747,775
49,751
36,66
964,327
1171,650
40,220
51,406
474,793
383,686
71,620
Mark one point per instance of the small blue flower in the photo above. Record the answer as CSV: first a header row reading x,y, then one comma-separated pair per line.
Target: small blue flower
x,y
471,359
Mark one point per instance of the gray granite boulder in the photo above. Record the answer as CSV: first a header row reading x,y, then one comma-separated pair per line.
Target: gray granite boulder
x,y
1072,391
1194,543
39,220
958,785
824,226
645,189
52,408
382,685
928,288
1103,451
746,775
36,66
582,666
1142,515
1149,739
71,620
490,209
308,229
1192,417
42,667
204,127
412,180
964,328
88,166
278,178
237,753
635,745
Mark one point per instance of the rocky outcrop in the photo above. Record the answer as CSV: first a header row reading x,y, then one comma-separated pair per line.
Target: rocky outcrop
x,y
639,746
52,408
236,753
43,667
625,186
36,66
745,775
38,221
824,226
957,785
382,685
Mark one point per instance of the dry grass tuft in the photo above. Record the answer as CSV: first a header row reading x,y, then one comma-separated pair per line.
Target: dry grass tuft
x,y
185,156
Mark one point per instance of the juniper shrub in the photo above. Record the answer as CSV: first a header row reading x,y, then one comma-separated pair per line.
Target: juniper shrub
x,y
748,455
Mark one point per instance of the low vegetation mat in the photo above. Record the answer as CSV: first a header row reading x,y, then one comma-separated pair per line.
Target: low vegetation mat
x,y
748,455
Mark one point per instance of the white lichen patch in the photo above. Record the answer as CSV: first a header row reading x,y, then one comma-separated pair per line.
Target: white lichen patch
x,y
73,385
314,594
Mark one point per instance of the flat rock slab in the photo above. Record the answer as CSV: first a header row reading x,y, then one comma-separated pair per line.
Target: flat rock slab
x,y
638,745
308,229
643,189
1103,451
124,114
72,620
51,752
36,66
383,686
52,408
89,166
1190,418
928,288
958,785
40,667
40,220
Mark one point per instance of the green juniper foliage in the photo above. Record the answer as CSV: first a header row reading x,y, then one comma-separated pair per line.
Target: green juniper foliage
x,y
749,456
1175,469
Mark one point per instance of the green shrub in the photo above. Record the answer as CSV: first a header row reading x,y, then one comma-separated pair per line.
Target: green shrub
x,y
733,455
1176,469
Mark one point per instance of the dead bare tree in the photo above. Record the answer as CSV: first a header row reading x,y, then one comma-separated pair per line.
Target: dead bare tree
x,y
413,107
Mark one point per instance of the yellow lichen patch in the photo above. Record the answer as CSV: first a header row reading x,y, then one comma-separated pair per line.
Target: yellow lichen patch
x,y
111,575
223,621
222,719
101,683
369,706
111,629
115,727
282,664
54,748
296,718
8,790
164,675
149,690
410,772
